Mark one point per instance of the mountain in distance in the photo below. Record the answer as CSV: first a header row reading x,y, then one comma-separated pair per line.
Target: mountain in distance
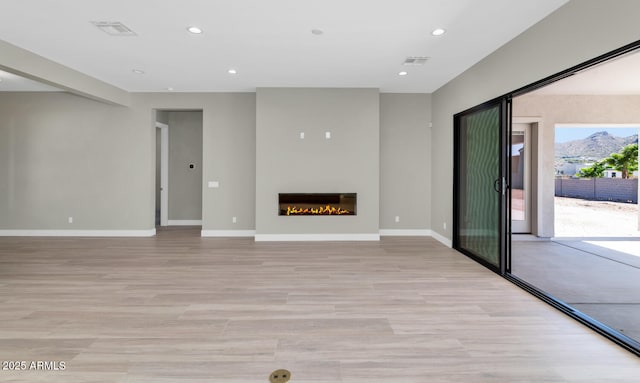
x,y
597,146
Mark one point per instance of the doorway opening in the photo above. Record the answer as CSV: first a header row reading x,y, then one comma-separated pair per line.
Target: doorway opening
x,y
495,181
578,259
178,186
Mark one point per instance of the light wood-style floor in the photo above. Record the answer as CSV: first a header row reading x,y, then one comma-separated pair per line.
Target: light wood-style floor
x,y
179,308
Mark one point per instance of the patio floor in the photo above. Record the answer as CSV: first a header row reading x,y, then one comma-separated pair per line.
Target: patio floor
x,y
598,276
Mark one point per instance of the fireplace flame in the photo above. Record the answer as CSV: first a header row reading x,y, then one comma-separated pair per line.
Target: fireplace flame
x,y
322,210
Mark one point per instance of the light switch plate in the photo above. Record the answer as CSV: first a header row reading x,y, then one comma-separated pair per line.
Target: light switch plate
x,y
213,184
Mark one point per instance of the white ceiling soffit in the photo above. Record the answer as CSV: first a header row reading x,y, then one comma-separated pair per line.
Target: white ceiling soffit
x,y
619,76
356,43
10,82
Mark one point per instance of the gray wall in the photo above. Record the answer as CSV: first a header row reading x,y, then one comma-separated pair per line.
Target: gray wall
x,y
67,156
62,155
348,162
228,156
405,161
162,116
185,148
573,34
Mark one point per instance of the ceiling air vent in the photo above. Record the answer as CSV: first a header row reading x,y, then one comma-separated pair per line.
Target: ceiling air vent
x,y
114,28
415,60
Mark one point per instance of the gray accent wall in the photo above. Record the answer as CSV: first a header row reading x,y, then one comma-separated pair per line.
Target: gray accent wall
x,y
405,161
575,33
348,162
185,149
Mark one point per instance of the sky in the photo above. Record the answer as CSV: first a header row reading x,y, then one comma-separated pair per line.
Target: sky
x,y
565,134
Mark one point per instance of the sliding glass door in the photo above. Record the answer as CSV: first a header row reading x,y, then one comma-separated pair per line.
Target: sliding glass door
x,y
480,188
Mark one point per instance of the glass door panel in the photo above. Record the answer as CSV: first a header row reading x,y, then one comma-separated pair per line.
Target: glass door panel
x,y
479,186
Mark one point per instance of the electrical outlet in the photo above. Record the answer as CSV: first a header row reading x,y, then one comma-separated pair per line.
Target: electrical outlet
x,y
397,218
444,225
70,219
234,220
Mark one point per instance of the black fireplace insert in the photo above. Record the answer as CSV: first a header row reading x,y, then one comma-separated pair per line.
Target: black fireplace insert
x,y
291,204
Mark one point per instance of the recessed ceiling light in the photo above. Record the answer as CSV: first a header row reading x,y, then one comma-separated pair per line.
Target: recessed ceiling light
x,y
317,32
137,71
195,30
438,32
403,73
232,71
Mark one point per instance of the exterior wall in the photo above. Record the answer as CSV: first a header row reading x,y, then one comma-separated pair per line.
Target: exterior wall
x,y
598,189
575,33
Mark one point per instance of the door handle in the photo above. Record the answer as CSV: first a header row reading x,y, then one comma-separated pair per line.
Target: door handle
x,y
500,185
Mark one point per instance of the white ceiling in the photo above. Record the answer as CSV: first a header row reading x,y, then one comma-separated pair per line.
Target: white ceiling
x,y
269,42
619,76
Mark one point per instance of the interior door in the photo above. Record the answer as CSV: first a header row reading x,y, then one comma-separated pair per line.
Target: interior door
x,y
480,189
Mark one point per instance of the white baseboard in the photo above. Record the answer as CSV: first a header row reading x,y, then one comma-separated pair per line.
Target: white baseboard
x,y
440,238
405,233
228,233
184,222
78,233
317,237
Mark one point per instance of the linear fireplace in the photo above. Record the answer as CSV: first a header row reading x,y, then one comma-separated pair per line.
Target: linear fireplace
x,y
317,204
